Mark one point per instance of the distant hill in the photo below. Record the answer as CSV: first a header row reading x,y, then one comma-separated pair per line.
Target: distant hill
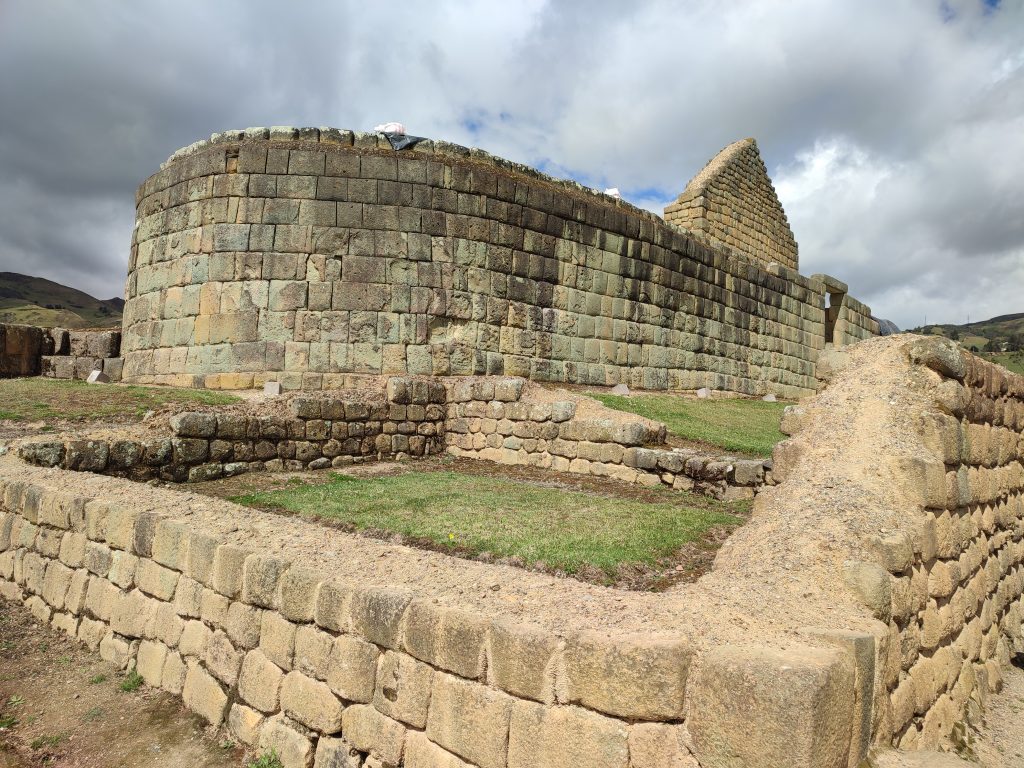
x,y
37,301
997,334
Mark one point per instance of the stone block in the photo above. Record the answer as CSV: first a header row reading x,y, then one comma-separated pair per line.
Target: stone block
x,y
368,730
311,703
337,753
259,682
421,752
294,749
298,594
447,638
222,659
203,695
658,745
149,662
243,625
377,614
332,606
403,688
640,677
167,625
170,544
352,668
773,708
155,580
115,649
228,564
213,608
523,660
277,639
244,724
194,638
312,651
565,737
470,720
261,578
132,615
173,677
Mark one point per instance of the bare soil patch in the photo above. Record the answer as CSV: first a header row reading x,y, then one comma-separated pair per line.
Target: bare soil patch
x,y
70,711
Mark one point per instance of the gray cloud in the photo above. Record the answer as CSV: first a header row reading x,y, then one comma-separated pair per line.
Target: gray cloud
x,y
894,131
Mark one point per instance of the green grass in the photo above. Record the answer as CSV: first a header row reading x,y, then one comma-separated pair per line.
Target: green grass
x,y
743,426
266,760
563,529
1013,361
39,399
97,679
132,682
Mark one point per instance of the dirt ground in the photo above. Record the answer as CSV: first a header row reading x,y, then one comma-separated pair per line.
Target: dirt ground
x,y
687,564
1001,742
71,712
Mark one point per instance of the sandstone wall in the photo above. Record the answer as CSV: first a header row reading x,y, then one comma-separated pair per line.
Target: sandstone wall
x,y
731,203
303,254
322,670
27,350
934,524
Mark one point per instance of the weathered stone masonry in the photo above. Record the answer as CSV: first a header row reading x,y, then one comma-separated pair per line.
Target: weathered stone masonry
x,y
302,254
833,621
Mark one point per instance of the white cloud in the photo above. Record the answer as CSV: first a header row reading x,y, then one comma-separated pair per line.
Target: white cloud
x,y
893,130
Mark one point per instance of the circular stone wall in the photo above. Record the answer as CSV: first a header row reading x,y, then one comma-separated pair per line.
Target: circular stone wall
x,y
303,255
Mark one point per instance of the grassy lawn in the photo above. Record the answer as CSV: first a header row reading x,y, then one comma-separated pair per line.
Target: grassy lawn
x,y
744,426
563,529
1014,361
35,399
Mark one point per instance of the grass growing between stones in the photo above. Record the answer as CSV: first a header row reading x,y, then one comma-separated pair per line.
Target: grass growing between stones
x,y
469,514
743,426
40,399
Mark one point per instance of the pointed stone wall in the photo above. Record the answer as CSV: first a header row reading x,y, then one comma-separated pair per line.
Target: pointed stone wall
x,y
732,203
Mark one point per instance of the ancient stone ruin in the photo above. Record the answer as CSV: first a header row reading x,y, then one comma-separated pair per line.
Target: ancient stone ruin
x,y
300,255
415,301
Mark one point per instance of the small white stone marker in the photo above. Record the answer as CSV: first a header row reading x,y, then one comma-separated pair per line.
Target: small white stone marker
x,y
271,388
620,389
98,377
769,398
703,393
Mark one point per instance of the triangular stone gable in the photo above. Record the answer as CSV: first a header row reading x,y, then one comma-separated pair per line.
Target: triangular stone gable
x,y
732,203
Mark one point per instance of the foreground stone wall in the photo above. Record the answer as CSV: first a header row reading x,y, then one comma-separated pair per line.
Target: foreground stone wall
x,y
329,672
304,254
939,548
731,203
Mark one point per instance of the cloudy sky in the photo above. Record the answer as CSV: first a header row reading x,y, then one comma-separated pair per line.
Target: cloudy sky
x,y
894,131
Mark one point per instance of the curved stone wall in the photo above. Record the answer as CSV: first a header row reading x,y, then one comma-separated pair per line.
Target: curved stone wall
x,y
300,255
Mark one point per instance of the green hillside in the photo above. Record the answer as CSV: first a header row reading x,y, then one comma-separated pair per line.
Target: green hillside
x,y
37,301
1004,333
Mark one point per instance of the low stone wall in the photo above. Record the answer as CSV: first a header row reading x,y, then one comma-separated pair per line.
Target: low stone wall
x,y
28,350
494,418
331,672
549,433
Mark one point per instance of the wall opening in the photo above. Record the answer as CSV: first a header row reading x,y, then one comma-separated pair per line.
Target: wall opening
x,y
833,303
